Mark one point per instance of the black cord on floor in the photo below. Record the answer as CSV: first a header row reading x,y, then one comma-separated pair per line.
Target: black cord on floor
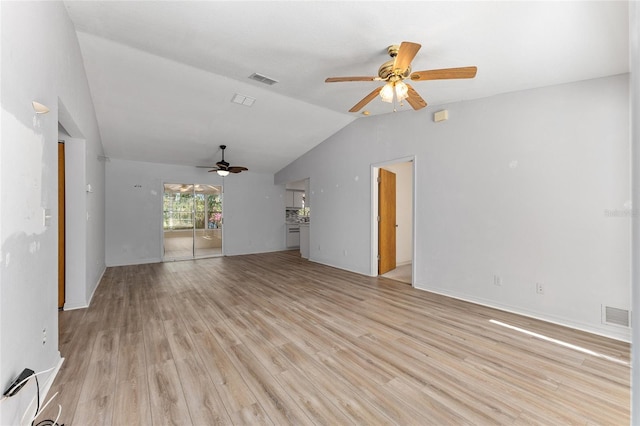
x,y
49,423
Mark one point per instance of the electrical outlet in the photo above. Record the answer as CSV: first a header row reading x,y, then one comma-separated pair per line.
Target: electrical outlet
x,y
539,288
497,280
44,336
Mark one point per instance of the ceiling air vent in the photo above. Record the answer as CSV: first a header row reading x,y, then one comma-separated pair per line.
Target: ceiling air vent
x,y
243,100
615,316
263,79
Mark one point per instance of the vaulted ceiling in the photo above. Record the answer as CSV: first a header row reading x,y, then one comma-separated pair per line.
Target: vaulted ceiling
x,y
163,74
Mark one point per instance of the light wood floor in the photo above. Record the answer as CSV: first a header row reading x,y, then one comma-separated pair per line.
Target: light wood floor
x,y
401,273
275,339
180,244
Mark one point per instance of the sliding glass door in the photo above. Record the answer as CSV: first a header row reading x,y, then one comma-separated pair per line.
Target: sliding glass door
x,y
192,225
208,223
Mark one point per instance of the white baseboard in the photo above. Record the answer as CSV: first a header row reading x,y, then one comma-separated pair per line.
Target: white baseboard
x,y
73,306
616,334
70,306
321,262
134,262
96,287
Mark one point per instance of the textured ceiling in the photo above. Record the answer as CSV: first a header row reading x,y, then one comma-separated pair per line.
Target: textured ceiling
x,y
163,74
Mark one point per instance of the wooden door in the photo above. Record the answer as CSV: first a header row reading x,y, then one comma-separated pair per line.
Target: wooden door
x,y
61,227
386,221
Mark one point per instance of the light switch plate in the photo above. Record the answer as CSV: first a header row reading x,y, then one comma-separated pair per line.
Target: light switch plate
x,y
46,217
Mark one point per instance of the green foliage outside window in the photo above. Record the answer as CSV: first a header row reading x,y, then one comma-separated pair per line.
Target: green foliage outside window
x,y
179,210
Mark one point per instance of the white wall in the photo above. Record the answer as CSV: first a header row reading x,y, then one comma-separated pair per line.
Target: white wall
x,y
41,61
634,54
404,211
254,214
253,210
76,292
300,185
517,185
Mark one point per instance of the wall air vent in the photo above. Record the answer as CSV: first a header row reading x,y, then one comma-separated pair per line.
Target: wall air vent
x,y
263,79
615,316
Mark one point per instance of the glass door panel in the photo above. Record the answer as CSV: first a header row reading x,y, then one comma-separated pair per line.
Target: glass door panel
x,y
178,221
208,224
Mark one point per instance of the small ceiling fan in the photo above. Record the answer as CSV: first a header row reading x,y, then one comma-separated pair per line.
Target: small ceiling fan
x,y
223,168
399,68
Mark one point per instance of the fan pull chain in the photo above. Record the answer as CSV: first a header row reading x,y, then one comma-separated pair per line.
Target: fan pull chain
x,y
395,99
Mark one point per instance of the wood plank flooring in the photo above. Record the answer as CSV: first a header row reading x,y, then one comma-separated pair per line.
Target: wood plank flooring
x,y
179,244
275,339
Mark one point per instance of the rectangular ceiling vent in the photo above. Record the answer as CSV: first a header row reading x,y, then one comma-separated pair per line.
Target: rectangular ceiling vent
x,y
263,79
243,100
616,316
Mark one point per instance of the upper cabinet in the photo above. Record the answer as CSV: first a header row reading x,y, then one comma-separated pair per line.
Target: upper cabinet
x,y
294,199
298,199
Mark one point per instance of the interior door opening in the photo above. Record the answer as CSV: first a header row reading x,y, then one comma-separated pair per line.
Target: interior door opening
x,y
393,233
192,221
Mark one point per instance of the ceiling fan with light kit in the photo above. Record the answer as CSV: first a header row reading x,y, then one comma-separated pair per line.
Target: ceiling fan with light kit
x,y
222,168
395,71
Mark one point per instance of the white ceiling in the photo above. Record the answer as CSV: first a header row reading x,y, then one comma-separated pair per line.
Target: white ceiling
x,y
162,74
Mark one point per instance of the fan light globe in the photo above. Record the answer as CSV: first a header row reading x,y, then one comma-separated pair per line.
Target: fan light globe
x,y
398,88
387,93
222,173
402,91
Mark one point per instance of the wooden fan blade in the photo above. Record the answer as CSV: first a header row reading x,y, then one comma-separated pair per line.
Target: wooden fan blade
x,y
444,74
414,99
339,79
406,53
236,169
371,96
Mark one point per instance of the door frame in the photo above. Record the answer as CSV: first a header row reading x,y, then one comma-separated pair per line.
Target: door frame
x,y
62,281
75,170
75,154
374,213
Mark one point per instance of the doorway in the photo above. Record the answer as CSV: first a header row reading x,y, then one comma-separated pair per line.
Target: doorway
x,y
192,221
75,221
393,214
